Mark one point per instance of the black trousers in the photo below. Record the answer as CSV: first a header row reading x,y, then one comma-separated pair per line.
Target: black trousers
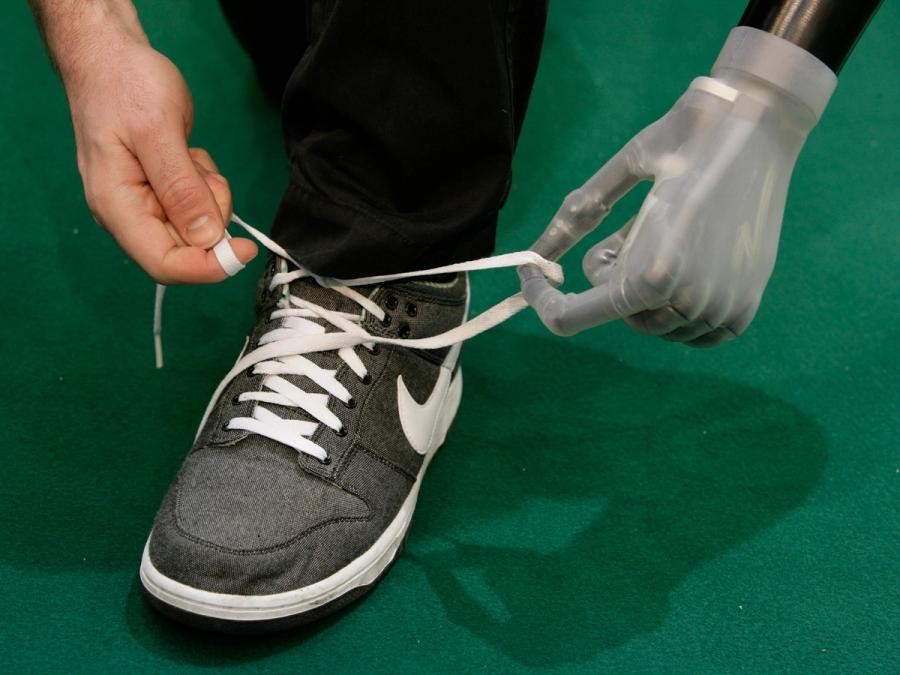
x,y
400,120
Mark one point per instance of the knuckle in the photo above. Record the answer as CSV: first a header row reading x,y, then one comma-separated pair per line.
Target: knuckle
x,y
599,256
561,325
577,208
554,316
661,277
692,301
96,198
738,325
148,124
200,153
182,194
574,202
93,201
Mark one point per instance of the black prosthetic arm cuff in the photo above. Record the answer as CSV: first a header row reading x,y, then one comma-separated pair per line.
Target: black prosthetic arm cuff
x,y
827,29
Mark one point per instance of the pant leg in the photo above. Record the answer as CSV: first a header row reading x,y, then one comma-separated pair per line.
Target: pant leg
x,y
273,34
400,121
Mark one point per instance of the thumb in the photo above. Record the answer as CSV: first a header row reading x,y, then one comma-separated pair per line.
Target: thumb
x,y
184,195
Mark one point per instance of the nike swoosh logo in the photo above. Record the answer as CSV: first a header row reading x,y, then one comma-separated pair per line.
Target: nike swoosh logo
x,y
419,420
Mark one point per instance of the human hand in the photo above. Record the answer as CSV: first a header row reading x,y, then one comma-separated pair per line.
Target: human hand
x,y
164,204
692,265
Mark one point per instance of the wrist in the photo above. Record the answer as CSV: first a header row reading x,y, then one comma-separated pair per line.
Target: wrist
x,y
83,36
772,61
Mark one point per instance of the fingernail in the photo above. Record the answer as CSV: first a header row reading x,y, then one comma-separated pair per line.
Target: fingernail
x,y
202,232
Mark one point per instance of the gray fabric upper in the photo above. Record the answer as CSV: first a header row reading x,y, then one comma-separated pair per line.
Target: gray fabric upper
x,y
247,515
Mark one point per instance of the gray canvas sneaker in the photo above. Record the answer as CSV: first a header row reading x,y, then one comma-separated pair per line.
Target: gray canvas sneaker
x,y
299,490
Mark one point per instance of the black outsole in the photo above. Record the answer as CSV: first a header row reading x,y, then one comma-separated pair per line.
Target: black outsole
x,y
268,625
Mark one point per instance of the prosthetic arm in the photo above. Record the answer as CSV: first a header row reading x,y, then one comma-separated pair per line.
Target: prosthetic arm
x,y
692,265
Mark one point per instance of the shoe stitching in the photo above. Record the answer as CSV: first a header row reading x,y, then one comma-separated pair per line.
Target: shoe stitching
x,y
277,547
388,463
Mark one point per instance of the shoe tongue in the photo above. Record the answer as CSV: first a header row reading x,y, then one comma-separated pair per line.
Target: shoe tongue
x,y
309,289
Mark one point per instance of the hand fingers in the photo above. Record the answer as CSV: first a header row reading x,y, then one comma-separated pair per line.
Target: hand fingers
x,y
193,265
151,245
203,159
217,183
692,310
733,328
690,331
712,338
599,261
658,321
701,318
222,194
567,314
583,209
179,186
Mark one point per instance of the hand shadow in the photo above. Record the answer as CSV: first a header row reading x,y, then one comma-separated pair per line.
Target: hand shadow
x,y
588,491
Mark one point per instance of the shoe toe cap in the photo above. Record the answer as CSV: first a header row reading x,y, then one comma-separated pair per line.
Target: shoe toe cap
x,y
244,522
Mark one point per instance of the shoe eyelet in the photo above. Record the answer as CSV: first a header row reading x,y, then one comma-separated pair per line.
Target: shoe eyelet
x,y
225,426
411,309
376,350
386,321
326,461
351,403
235,400
340,433
366,379
392,302
404,330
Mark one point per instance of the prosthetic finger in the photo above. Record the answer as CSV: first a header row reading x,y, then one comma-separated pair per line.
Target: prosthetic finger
x,y
598,262
691,331
704,313
731,329
583,209
739,322
712,338
657,321
570,313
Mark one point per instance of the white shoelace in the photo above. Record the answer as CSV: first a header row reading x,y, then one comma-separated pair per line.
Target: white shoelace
x,y
280,351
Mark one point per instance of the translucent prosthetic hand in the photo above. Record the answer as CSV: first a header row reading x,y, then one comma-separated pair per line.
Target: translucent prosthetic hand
x,y
692,265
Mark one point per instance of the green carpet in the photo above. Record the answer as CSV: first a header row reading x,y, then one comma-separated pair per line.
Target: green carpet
x,y
609,502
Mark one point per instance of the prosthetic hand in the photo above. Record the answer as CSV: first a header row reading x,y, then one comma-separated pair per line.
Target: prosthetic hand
x,y
692,265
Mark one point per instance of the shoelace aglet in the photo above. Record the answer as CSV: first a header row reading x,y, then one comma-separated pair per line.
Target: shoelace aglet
x,y
157,324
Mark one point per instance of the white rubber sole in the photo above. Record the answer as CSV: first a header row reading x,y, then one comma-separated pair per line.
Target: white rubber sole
x,y
363,571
